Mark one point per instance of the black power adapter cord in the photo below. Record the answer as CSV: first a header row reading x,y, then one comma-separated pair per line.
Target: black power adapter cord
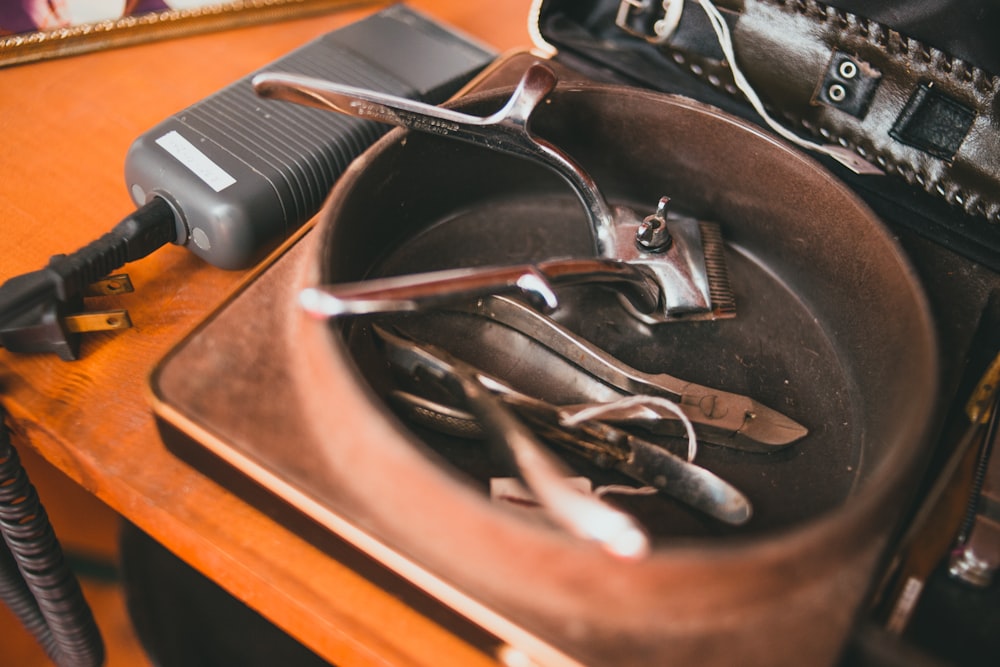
x,y
35,581
43,311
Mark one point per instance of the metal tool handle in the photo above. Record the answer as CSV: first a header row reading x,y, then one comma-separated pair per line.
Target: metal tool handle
x,y
581,514
506,131
451,287
598,441
640,459
427,290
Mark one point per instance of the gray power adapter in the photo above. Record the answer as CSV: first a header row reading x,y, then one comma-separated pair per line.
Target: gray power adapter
x,y
242,173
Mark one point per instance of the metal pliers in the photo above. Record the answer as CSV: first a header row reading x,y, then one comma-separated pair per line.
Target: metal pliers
x,y
719,417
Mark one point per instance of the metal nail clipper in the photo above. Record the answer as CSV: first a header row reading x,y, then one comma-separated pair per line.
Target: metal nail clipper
x,y
680,259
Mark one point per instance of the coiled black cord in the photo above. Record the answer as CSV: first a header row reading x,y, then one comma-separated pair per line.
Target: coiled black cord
x,y
35,581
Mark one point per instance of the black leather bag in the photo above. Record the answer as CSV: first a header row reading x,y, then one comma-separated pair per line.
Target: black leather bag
x,y
910,88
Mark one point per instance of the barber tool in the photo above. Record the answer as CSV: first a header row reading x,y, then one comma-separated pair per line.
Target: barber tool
x,y
599,442
681,258
720,417
583,515
534,282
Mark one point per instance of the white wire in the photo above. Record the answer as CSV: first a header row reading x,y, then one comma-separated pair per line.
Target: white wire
x,y
672,11
842,155
595,412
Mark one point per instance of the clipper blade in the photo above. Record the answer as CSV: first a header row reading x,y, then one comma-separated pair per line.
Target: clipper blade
x,y
691,272
720,289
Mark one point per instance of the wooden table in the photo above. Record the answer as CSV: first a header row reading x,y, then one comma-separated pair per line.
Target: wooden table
x,y
66,125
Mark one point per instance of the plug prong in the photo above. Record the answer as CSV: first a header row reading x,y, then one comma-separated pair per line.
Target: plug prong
x,y
117,284
106,320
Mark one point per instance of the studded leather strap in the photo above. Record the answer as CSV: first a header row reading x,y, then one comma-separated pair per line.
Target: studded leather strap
x,y
909,108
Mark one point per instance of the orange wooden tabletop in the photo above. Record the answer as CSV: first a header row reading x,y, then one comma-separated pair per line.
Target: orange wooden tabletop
x,y
66,125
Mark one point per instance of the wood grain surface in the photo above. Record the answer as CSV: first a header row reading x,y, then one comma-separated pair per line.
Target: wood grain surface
x,y
66,126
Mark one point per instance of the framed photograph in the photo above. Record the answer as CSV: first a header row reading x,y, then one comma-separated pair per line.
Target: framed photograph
x,y
32,30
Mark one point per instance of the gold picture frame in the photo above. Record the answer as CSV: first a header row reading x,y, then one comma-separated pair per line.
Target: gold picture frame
x,y
134,28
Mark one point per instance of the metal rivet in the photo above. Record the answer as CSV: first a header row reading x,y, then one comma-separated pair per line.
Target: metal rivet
x,y
848,69
836,92
652,234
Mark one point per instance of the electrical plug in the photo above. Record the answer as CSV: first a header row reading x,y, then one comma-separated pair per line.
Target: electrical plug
x,y
44,311
48,323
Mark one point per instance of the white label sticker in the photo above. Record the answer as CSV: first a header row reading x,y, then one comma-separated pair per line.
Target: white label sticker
x,y
200,164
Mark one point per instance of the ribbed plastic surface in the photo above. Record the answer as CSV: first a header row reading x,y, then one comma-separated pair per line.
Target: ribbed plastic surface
x,y
302,150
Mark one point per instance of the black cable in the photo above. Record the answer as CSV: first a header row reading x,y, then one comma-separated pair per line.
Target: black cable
x,y
35,581
34,306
